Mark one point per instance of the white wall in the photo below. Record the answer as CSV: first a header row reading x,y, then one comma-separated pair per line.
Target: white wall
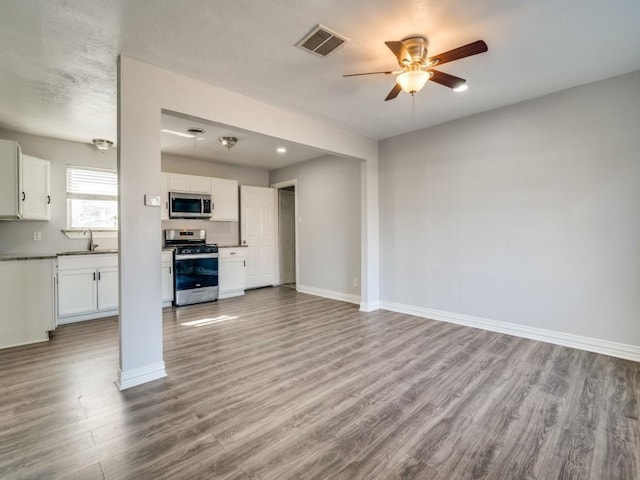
x,y
527,214
222,233
17,236
328,191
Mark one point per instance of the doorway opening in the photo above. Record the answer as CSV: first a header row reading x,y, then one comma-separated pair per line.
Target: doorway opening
x,y
287,235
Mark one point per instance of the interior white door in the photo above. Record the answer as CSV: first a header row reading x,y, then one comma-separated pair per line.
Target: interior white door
x,y
286,230
258,205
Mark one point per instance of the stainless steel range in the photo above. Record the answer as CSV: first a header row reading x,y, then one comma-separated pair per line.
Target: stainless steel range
x,y
195,266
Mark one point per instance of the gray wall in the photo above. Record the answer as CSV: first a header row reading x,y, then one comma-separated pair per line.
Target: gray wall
x,y
527,214
328,191
223,233
17,236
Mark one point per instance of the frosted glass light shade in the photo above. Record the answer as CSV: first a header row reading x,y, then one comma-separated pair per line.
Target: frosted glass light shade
x,y
412,81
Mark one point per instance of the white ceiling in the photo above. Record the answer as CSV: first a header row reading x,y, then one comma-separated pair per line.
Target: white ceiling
x,y
252,149
58,57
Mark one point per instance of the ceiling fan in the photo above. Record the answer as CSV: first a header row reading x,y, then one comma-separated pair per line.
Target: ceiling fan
x,y
417,68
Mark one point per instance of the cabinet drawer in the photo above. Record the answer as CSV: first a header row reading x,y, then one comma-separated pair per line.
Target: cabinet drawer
x,y
233,252
70,262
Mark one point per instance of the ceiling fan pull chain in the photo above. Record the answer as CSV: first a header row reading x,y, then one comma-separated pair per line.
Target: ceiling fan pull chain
x,y
413,108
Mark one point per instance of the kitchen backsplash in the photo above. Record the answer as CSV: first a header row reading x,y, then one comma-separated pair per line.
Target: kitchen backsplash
x,y
222,233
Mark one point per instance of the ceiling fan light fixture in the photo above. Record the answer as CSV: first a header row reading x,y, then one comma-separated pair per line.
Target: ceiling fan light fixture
x,y
461,88
228,142
412,81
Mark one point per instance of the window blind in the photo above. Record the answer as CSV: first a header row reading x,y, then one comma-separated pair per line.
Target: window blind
x,y
85,182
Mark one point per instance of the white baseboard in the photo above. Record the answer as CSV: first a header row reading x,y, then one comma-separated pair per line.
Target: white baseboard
x,y
138,376
369,307
231,293
319,292
606,347
86,316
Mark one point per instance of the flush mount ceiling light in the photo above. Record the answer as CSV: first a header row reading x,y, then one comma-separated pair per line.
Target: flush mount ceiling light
x,y
102,144
281,149
228,142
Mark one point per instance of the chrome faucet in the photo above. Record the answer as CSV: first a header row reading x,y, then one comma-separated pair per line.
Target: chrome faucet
x,y
92,246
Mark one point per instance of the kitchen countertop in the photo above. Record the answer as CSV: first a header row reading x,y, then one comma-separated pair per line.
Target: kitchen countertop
x,y
26,256
86,252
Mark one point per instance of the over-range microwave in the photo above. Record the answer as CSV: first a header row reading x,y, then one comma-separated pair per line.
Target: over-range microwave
x,y
189,205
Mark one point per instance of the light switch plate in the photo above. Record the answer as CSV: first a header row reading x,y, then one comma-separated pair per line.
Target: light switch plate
x,y
152,200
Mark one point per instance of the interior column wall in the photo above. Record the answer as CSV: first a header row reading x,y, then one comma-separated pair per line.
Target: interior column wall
x,y
144,91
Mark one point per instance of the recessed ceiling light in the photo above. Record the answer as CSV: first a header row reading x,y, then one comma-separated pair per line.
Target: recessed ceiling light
x,y
281,150
461,88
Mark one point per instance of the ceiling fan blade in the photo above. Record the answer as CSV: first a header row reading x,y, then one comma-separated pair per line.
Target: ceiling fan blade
x,y
460,52
394,92
447,80
368,73
400,51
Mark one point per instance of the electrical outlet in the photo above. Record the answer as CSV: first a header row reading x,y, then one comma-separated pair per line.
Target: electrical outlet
x,y
355,283
37,236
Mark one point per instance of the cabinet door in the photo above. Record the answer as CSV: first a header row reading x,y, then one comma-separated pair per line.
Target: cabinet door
x,y
107,288
179,183
164,196
167,281
9,184
232,276
77,291
200,184
224,194
35,190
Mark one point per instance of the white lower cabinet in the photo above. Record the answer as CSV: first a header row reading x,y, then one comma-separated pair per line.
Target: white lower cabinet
x,y
27,299
167,277
87,287
232,275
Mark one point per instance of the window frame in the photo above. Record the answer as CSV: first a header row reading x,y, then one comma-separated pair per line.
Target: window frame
x,y
90,196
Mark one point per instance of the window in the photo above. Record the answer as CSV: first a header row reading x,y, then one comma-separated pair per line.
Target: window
x,y
92,198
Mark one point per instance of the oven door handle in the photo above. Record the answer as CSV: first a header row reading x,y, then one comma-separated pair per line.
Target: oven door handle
x,y
196,256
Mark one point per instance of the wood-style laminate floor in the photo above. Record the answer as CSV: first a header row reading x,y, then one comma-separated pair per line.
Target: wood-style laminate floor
x,y
282,385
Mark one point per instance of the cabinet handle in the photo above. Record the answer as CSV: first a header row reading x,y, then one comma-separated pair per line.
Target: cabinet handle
x,y
98,275
23,196
48,199
232,253
170,271
94,276
244,263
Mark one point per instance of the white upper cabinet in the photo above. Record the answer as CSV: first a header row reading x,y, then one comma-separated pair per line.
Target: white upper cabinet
x,y
35,188
224,194
189,183
24,185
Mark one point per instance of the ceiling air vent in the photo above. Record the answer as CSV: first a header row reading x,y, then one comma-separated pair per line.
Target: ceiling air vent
x,y
321,41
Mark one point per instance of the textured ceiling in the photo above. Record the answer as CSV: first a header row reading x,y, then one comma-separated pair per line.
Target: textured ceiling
x,y
58,58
